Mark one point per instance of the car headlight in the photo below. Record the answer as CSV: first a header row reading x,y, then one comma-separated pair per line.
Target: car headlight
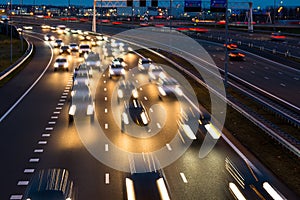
x,y
65,65
86,82
60,50
72,110
123,71
125,118
98,63
90,109
55,64
162,91
178,91
144,118
120,93
80,51
111,71
135,93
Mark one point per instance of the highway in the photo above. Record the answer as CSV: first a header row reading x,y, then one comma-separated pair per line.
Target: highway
x,y
44,138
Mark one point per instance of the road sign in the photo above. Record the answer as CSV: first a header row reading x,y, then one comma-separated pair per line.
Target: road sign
x,y
192,6
218,5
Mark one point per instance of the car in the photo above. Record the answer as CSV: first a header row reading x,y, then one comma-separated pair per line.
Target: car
x,y
119,60
73,46
82,103
81,77
50,184
231,46
83,67
93,60
167,87
49,37
27,27
44,26
126,90
236,55
277,36
61,63
65,49
85,36
155,72
58,43
144,64
116,69
84,49
135,111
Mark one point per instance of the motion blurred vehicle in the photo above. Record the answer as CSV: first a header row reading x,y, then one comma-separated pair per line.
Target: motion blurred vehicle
x,y
144,64
27,27
49,37
58,43
116,69
93,60
155,72
61,63
85,37
44,26
82,103
60,29
231,46
81,76
168,87
74,47
83,67
65,49
50,184
136,111
84,49
277,36
119,60
127,90
236,56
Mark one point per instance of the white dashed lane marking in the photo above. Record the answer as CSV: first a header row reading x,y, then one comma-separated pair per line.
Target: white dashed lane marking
x,y
183,177
38,151
34,160
158,125
267,78
42,142
106,147
105,89
105,98
54,117
56,112
145,98
282,84
106,178
51,122
105,110
21,183
28,171
16,197
106,126
46,135
169,147
49,128
58,108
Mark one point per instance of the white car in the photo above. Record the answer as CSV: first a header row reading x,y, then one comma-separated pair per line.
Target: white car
x,y
93,60
74,46
81,77
49,37
126,90
84,49
44,26
61,63
116,69
58,43
168,86
82,103
27,27
144,64
155,72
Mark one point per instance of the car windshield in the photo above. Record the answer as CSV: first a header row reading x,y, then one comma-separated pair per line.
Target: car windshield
x,y
61,60
84,46
146,61
116,66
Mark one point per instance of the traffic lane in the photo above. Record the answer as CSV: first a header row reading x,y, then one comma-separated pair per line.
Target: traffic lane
x,y
64,149
28,120
290,43
261,73
15,88
24,126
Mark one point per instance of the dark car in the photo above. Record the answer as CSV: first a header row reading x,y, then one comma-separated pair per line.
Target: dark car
x,y
231,46
65,49
51,184
236,55
135,111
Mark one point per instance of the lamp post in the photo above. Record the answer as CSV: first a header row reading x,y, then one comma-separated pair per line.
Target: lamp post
x,y
226,43
11,50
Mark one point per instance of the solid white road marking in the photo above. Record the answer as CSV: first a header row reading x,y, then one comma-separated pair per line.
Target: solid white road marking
x,y
183,177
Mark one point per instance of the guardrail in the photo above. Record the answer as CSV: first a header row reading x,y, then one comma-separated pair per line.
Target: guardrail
x,y
18,63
